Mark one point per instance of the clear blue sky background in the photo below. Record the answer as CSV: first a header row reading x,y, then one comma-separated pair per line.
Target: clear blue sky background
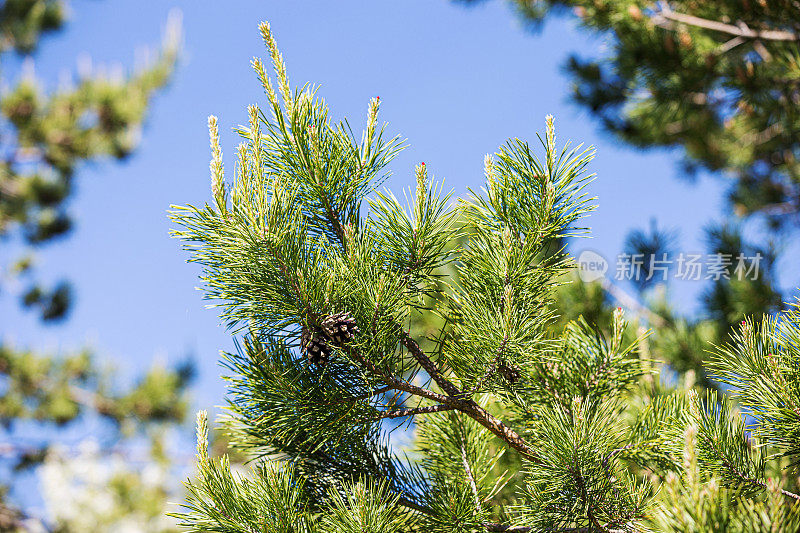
x,y
455,82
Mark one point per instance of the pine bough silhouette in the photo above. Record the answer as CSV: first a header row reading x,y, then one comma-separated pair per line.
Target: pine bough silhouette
x,y
320,273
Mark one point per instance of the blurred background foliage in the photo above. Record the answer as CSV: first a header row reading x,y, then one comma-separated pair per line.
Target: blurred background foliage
x,y
717,78
45,136
720,81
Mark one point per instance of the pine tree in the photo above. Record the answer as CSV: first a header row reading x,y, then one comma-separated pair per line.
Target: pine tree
x,y
302,237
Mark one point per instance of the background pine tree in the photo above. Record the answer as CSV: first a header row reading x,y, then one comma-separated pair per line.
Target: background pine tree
x,y
44,137
719,81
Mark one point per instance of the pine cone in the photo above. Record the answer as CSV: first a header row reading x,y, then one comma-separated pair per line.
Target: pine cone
x,y
510,373
314,345
340,327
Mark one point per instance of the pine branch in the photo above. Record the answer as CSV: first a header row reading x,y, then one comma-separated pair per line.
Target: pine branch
x,y
758,482
468,407
405,502
429,366
738,474
393,381
334,221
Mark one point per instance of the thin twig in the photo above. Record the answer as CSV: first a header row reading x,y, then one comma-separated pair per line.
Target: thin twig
x,y
739,31
503,528
398,413
629,301
731,44
464,404
492,367
360,397
470,477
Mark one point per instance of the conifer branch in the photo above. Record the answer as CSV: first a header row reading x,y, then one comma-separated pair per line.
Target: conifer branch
x,y
336,224
757,482
429,366
744,478
468,407
405,502
392,381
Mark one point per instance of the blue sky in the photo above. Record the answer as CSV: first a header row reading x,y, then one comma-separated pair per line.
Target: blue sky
x,y
456,82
